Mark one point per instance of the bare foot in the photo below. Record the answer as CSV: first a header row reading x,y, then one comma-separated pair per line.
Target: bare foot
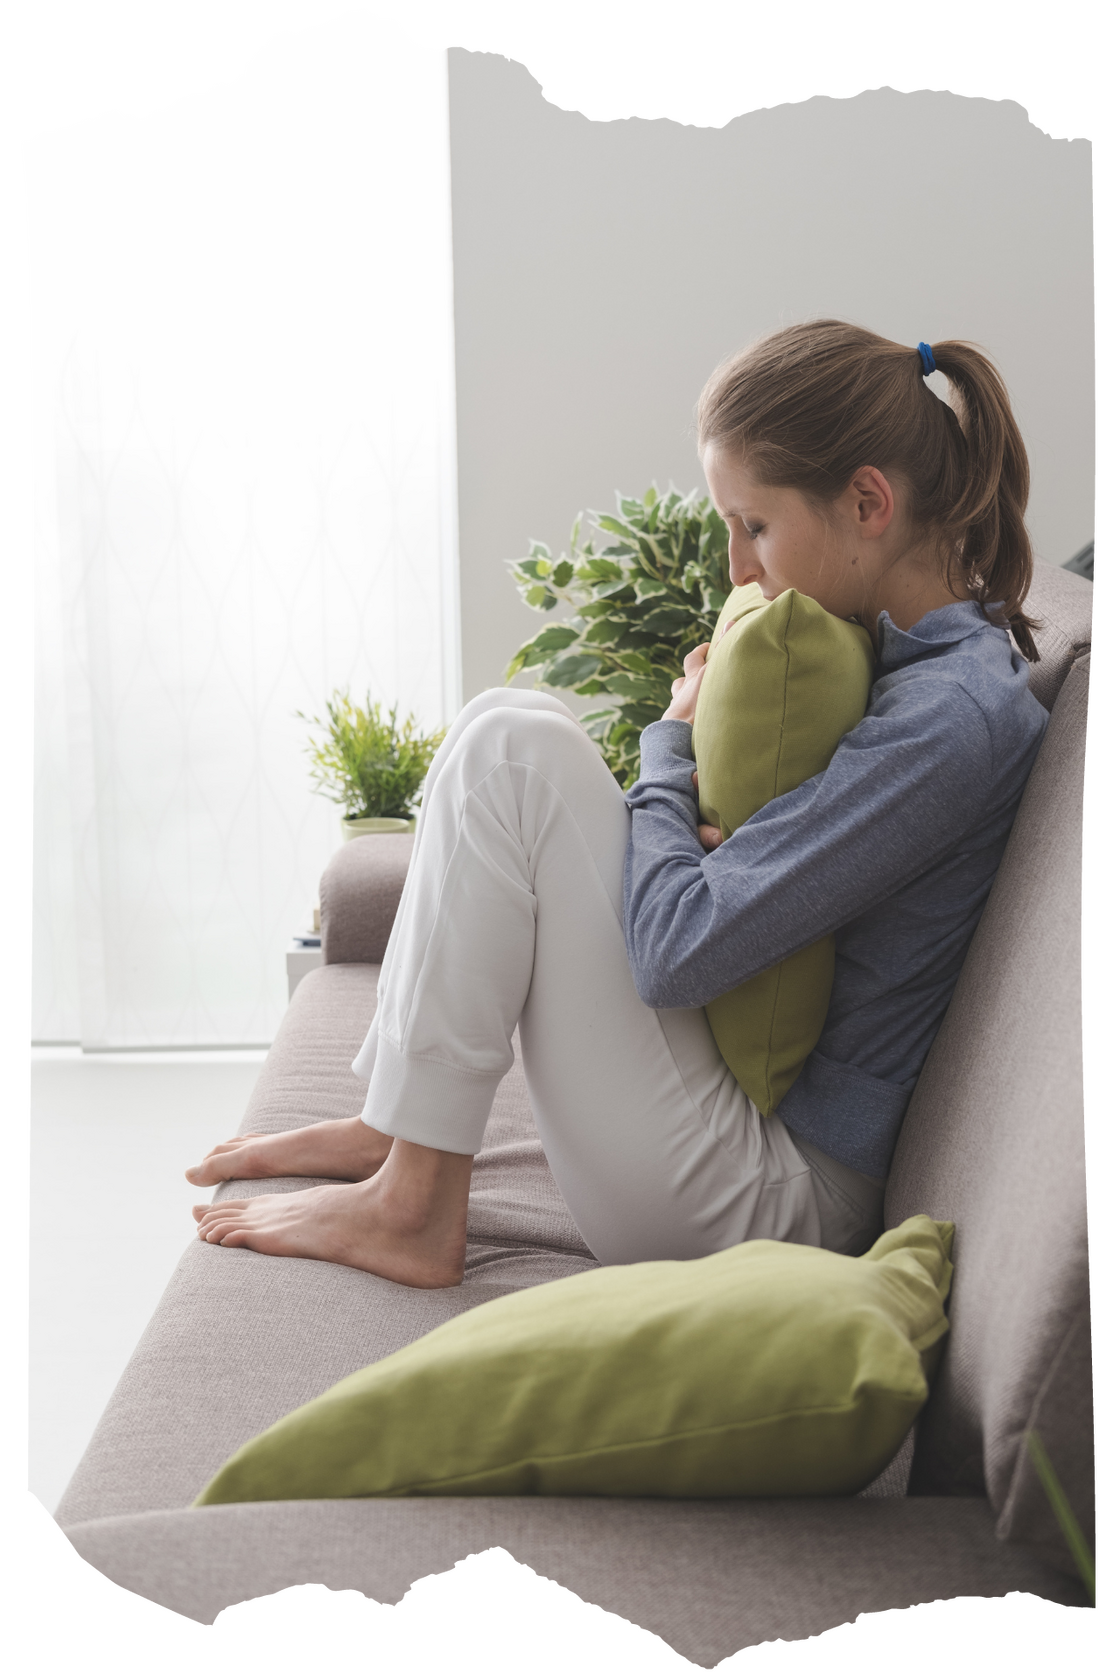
x,y
328,1149
408,1224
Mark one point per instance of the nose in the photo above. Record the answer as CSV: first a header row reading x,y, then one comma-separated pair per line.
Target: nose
x,y
742,561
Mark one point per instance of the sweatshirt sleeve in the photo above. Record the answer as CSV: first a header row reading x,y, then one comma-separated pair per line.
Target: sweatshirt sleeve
x,y
900,792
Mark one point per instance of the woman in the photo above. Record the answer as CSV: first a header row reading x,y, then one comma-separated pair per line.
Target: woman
x,y
539,895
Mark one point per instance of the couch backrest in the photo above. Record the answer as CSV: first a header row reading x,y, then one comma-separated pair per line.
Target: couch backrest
x,y
1062,603
993,1140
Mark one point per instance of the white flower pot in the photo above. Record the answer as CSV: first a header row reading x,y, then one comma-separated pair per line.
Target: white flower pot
x,y
352,827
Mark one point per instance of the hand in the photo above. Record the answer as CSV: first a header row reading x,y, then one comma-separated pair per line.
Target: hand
x,y
710,835
686,688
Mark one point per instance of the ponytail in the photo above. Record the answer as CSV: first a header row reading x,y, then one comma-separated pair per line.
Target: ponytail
x,y
989,493
812,404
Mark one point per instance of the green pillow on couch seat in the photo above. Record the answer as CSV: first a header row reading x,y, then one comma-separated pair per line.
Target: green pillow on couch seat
x,y
781,688
769,1369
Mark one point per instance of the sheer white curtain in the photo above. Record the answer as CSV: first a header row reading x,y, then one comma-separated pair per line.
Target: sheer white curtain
x,y
246,499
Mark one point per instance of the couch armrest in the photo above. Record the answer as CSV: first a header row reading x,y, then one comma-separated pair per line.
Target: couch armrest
x,y
359,894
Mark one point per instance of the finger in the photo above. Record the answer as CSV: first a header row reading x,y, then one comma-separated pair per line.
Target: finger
x,y
694,661
678,682
710,836
695,780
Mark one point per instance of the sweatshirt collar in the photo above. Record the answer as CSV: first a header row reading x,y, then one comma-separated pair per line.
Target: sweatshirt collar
x,y
937,629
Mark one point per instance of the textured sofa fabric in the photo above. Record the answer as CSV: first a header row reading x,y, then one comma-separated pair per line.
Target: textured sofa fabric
x,y
356,903
992,1140
239,1339
708,1577
1063,605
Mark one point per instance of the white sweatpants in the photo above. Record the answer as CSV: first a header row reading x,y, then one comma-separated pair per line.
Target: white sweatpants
x,y
512,913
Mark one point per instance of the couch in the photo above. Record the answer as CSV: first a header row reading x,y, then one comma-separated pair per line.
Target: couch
x,y
992,1140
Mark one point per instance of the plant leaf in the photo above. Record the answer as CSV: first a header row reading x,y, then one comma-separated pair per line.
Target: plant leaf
x,y
576,668
1063,1512
635,688
606,631
597,569
556,636
615,526
637,662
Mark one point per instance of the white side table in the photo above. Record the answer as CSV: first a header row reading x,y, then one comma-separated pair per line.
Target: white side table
x,y
301,960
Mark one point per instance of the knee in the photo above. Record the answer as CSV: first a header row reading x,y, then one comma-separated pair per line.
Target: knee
x,y
487,701
521,699
527,703
547,739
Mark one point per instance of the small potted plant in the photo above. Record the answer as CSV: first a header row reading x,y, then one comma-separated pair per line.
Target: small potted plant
x,y
370,765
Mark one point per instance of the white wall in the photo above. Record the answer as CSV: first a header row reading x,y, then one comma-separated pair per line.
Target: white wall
x,y
602,269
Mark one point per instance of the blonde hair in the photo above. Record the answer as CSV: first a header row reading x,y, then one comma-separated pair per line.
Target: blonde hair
x,y
812,404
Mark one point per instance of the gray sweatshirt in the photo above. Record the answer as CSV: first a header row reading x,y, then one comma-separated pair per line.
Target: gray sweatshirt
x,y
892,848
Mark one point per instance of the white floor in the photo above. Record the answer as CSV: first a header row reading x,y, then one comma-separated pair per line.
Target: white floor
x,y
111,1136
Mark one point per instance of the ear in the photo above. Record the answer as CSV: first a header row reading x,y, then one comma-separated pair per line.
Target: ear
x,y
870,502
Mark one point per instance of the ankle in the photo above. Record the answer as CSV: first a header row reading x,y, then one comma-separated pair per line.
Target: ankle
x,y
424,1188
371,1146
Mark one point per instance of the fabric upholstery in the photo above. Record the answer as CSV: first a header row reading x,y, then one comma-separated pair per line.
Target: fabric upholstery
x,y
708,1577
993,1140
993,1130
1064,604
239,1339
359,894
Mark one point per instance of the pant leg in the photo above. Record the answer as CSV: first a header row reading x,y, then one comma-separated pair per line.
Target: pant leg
x,y
849,1203
512,912
489,700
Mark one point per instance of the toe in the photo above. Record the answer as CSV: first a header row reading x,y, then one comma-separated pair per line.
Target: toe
x,y
206,1212
215,1229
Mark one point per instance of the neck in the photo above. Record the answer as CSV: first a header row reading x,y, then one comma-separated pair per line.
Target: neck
x,y
910,587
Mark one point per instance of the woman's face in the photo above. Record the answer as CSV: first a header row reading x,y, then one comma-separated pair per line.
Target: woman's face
x,y
780,541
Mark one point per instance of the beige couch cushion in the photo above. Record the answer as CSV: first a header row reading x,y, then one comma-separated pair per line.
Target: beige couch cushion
x,y
993,1140
1064,604
239,1339
708,1577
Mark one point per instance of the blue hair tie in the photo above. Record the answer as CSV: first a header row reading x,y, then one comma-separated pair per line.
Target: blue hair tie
x,y
928,364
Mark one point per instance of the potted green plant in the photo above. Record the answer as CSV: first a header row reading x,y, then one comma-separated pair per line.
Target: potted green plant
x,y
370,765
642,601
